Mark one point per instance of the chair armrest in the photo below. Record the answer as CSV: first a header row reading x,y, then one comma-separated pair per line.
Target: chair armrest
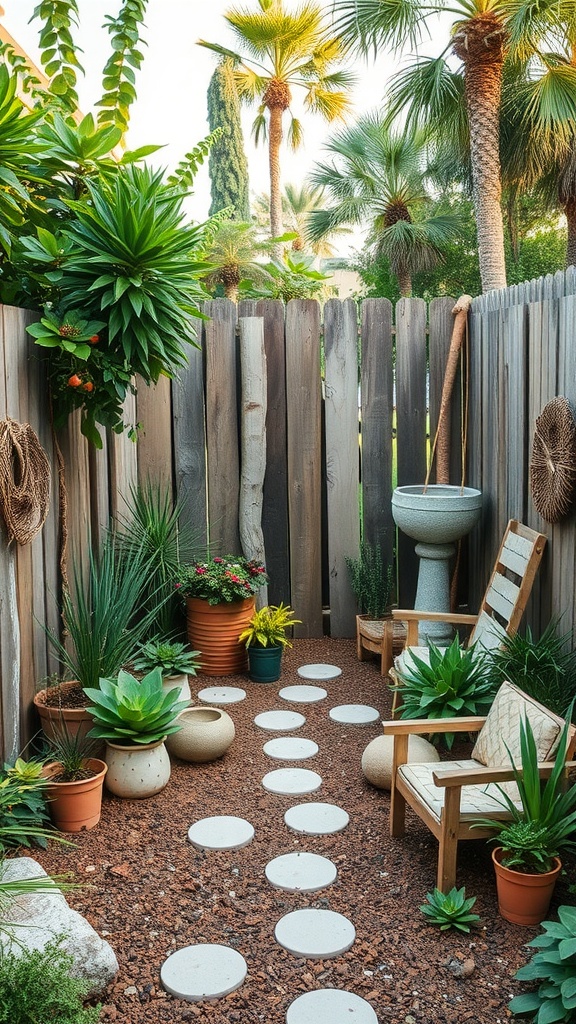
x,y
413,614
421,726
482,775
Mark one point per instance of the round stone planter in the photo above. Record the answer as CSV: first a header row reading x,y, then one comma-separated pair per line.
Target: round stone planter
x,y
265,663
213,629
135,772
205,735
178,681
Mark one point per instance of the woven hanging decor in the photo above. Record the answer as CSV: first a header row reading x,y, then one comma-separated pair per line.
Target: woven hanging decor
x,y
553,463
24,481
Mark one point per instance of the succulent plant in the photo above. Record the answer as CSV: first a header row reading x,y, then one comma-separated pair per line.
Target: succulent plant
x,y
170,657
134,713
450,910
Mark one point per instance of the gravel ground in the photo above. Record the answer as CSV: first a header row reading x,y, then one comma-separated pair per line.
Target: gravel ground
x,y
150,892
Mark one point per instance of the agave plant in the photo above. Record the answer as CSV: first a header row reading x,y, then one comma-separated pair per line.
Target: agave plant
x,y
455,683
450,910
171,657
134,713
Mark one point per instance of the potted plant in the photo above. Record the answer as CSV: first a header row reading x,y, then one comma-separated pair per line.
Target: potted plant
x,y
134,717
265,639
175,661
373,586
220,602
540,825
104,630
75,779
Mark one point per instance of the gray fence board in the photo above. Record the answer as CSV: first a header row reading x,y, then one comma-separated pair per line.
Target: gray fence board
x,y
376,391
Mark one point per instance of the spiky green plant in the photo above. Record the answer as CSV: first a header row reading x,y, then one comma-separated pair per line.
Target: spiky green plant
x,y
554,966
134,713
450,910
544,668
171,657
455,683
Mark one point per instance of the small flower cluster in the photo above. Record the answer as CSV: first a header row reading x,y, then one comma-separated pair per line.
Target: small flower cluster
x,y
221,580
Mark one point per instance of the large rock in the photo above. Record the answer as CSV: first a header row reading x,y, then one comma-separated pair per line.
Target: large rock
x,y
46,916
377,758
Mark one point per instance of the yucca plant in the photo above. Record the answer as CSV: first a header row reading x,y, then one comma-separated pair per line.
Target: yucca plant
x,y
554,966
455,683
544,668
450,910
134,713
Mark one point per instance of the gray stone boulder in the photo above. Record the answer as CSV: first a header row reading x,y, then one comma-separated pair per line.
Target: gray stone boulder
x,y
47,916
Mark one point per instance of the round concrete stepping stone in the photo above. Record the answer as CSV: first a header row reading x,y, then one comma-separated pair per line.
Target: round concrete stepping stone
x,y
290,748
327,1005
204,971
354,714
377,758
319,671
301,872
316,819
221,695
315,934
221,832
303,694
292,780
279,720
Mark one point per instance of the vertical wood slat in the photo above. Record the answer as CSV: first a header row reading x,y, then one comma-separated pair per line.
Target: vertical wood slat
x,y
275,501
10,607
189,429
566,541
341,404
154,417
123,454
477,584
222,427
304,462
376,390
441,323
253,441
411,424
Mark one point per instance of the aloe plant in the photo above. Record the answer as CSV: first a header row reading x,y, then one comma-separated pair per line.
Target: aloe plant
x,y
450,910
134,713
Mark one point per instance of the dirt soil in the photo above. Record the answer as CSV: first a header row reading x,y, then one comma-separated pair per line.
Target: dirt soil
x,y
150,892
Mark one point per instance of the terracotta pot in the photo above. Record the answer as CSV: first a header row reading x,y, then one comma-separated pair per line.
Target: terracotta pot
x,y
77,721
213,629
137,771
522,898
76,805
205,735
265,663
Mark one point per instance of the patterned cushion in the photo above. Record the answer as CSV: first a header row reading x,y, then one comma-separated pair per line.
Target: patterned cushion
x,y
502,728
476,801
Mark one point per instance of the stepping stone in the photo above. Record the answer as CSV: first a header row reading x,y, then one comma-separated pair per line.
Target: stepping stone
x,y
222,832
315,934
292,780
221,695
319,671
327,1005
301,872
204,971
354,714
316,819
303,694
279,720
290,748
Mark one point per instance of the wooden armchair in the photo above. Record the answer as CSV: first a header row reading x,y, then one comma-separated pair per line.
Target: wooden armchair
x,y
449,796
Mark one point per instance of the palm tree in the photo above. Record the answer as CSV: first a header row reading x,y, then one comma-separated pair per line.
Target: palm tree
x,y
484,33
283,50
231,249
377,177
299,202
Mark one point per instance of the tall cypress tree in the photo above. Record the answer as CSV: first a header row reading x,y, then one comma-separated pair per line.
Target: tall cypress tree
x,y
228,167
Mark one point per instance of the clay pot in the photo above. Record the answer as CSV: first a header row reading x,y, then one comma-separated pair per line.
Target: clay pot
x,y
76,805
265,663
213,629
137,771
522,898
205,735
76,721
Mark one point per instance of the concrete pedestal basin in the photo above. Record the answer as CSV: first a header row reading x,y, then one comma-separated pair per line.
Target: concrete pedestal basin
x,y
436,517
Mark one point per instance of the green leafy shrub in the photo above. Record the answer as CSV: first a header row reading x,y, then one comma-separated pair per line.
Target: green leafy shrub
x,y
268,626
455,683
134,713
450,910
36,987
554,966
371,582
544,668
24,818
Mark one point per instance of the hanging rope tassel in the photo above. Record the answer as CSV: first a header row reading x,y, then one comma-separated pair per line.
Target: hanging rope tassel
x,y
24,481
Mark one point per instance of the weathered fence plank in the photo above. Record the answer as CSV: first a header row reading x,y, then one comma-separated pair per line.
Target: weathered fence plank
x,y
441,323
376,392
222,427
154,417
341,405
253,440
189,445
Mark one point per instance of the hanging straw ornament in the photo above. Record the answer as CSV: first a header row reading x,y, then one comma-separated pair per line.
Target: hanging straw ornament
x,y
553,463
24,481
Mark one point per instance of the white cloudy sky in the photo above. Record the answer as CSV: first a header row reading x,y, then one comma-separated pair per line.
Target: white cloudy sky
x,y
171,105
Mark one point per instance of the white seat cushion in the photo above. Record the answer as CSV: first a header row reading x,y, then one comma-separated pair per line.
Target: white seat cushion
x,y
476,801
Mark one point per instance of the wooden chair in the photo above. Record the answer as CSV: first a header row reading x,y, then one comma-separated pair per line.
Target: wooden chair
x,y
448,796
502,606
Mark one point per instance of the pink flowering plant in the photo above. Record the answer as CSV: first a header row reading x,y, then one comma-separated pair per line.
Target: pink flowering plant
x,y
221,580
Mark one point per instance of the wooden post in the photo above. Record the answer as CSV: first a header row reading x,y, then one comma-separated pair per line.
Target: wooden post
x,y
253,440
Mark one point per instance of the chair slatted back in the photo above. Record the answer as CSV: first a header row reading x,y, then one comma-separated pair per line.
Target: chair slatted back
x,y
510,584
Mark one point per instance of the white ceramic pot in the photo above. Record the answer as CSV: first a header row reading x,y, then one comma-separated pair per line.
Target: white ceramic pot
x,y
181,681
205,735
136,772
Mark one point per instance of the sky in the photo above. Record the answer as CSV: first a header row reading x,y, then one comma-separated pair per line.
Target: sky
x,y
171,86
